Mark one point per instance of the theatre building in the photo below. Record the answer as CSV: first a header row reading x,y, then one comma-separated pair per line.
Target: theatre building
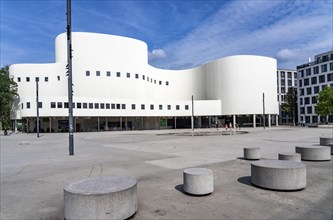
x,y
116,89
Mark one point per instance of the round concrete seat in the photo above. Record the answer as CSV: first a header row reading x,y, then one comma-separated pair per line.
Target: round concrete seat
x,y
293,157
278,174
315,153
102,197
325,141
252,153
198,181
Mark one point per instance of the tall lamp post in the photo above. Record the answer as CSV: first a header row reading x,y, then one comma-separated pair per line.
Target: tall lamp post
x,y
70,83
37,107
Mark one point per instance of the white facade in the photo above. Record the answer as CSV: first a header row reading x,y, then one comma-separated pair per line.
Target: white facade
x,y
112,78
312,78
286,79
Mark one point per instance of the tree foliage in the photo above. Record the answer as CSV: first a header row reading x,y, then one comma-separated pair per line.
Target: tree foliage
x,y
325,101
290,105
8,93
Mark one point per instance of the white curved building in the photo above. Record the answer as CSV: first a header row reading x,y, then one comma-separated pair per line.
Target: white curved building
x,y
116,88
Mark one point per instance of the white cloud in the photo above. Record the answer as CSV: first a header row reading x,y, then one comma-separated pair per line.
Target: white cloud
x,y
286,54
157,54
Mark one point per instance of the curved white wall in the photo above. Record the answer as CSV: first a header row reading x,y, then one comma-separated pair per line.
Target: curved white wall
x,y
228,86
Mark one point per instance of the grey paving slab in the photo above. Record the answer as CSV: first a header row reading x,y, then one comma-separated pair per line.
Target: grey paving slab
x,y
35,170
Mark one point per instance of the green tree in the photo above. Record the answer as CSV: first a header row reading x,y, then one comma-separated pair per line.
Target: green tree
x,y
325,102
290,105
8,94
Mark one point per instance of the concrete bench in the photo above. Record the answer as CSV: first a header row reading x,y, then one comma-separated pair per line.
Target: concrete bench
x,y
102,197
314,153
278,174
198,181
325,141
291,156
251,153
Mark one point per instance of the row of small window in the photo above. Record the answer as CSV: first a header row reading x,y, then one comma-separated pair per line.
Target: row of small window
x,y
307,100
315,70
27,79
128,75
315,90
289,74
102,106
308,110
314,80
289,83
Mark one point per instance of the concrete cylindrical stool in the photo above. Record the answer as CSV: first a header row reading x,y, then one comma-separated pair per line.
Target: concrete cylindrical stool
x,y
198,181
293,157
102,197
325,141
315,153
252,153
278,174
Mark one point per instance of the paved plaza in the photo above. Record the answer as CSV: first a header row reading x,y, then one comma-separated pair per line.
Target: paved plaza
x,y
35,170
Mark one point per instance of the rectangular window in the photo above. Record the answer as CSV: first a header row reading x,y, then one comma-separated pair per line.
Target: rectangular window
x,y
59,105
313,80
322,79
46,79
330,77
316,89
123,106
118,106
186,107
85,105
27,79
316,70
289,82
18,79
314,99
160,82
301,101
302,110
143,77
133,106
102,105
66,105
98,73
108,73
289,75
58,78
306,82
301,73
177,107
331,66
79,105
36,79
309,109
283,74
113,106
40,104
323,68
308,72
309,91
107,105
169,107
151,80
21,105
306,100
301,91
87,73
160,107
283,89
295,75
300,83
91,105
118,74
28,104
136,76
154,81
167,83
142,107
151,107
53,104
128,75
96,105
73,105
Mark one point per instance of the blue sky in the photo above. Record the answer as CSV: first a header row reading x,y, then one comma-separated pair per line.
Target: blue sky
x,y
180,34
